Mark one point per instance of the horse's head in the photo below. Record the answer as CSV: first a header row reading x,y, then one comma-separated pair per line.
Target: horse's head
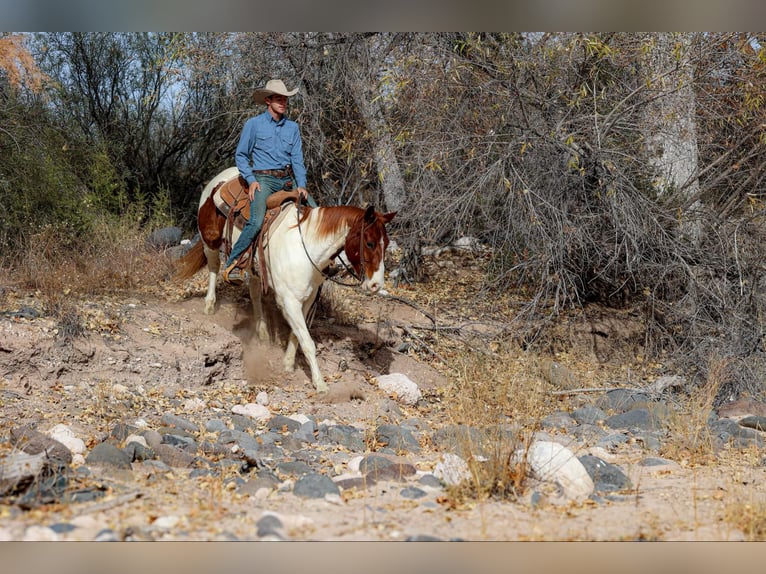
x,y
366,245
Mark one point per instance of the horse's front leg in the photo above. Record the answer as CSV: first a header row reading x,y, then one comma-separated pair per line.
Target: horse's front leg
x,y
294,314
213,264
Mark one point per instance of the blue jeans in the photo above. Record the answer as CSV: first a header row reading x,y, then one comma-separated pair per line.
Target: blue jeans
x,y
269,184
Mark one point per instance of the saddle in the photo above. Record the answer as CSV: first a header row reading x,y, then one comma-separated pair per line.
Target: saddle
x,y
232,199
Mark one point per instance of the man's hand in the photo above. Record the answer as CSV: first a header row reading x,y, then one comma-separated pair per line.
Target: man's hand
x,y
303,193
255,186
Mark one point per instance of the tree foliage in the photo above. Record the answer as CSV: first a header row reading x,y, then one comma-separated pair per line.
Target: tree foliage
x,y
549,148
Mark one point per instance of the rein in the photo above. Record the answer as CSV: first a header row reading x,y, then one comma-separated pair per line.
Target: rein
x,y
322,273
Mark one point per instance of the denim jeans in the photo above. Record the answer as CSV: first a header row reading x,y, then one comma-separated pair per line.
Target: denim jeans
x,y
269,184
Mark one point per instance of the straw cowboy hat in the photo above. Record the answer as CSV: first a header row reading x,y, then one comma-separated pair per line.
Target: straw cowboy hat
x,y
272,87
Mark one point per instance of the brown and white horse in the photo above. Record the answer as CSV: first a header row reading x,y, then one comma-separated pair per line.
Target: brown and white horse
x,y
297,249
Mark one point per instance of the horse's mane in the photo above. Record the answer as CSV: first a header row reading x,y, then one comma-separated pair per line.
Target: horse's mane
x,y
333,218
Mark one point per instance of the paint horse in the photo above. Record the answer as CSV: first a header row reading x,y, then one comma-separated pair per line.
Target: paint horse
x,y
297,247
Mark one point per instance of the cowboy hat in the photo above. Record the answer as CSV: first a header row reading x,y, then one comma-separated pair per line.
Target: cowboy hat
x,y
272,87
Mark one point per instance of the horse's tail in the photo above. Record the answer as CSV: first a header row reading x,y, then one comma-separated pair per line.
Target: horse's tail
x,y
189,264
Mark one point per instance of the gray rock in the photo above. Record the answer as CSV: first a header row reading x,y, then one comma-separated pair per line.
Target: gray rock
x,y
612,440
172,420
281,423
621,400
242,423
215,425
461,440
138,452
107,453
639,418
173,456
269,525
606,477
31,441
754,422
183,442
588,432
243,439
412,492
345,435
315,486
654,461
728,430
397,437
294,467
164,237
430,480
558,420
589,415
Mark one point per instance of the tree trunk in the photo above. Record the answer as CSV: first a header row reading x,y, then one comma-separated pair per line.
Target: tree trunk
x,y
669,123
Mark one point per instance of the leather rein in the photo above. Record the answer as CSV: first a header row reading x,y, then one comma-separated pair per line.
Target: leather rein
x,y
351,271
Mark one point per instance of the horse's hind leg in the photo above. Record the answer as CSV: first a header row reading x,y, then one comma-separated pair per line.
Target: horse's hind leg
x,y
213,265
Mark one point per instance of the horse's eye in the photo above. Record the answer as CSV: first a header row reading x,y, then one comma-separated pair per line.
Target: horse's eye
x,y
370,245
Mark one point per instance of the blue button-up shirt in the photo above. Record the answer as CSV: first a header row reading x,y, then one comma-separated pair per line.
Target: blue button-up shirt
x,y
270,144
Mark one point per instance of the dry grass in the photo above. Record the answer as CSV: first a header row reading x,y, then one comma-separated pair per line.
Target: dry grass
x,y
502,394
690,439
61,270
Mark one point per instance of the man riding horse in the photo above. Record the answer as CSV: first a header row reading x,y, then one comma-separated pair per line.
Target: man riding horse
x,y
269,157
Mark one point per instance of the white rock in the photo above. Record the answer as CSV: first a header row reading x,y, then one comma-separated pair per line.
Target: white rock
x,y
551,461
166,522
354,463
119,390
194,405
303,419
66,436
141,423
406,391
78,460
40,534
252,410
136,438
452,469
262,398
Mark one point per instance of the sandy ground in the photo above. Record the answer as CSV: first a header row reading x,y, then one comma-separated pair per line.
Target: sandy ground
x,y
144,356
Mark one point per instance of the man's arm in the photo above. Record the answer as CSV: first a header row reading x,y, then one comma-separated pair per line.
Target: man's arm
x,y
244,152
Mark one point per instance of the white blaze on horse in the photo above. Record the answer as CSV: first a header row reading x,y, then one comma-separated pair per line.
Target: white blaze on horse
x,y
298,247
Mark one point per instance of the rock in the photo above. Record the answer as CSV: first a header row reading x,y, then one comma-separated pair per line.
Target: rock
x,y
400,385
252,410
262,398
175,421
754,422
606,477
558,375
34,442
164,237
621,400
551,461
66,436
315,486
346,435
558,420
396,437
589,415
19,469
294,467
215,425
269,524
174,457
107,453
633,419
412,492
452,469
281,423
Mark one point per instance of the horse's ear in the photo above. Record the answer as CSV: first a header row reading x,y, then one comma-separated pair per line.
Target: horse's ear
x,y
369,214
387,217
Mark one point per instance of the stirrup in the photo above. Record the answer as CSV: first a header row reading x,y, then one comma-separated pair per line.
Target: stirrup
x,y
237,279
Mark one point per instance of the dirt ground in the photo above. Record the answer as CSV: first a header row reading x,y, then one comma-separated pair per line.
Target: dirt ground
x,y
147,354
